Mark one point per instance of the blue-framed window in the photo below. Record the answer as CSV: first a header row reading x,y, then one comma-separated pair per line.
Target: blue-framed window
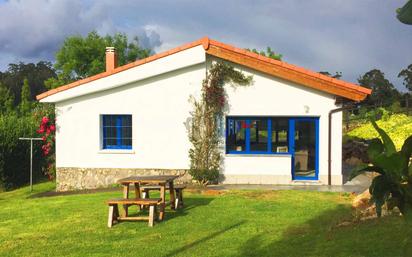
x,y
117,131
257,135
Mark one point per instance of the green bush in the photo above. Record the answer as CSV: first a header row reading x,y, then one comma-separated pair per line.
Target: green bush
x,y
15,153
210,176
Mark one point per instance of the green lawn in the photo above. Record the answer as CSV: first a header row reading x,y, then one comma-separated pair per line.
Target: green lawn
x,y
237,223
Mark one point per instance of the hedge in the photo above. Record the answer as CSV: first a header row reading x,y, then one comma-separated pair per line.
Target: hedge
x,y
15,153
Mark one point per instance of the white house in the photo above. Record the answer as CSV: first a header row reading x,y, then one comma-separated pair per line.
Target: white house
x,y
132,119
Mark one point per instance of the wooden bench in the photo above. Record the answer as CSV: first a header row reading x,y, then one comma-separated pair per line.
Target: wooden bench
x,y
178,189
114,209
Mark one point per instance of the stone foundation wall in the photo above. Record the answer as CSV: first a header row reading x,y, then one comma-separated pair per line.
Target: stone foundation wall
x,y
89,178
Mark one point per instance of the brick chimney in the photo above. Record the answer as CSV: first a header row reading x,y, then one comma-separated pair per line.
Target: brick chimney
x,y
111,59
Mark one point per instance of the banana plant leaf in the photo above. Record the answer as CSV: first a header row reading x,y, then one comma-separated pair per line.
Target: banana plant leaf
x,y
375,148
407,152
387,141
393,165
407,147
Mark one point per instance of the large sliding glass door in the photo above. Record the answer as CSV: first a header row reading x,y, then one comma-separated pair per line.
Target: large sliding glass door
x,y
298,137
304,148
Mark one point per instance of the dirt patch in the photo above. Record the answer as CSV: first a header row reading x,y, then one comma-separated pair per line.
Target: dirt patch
x,y
205,191
261,195
213,192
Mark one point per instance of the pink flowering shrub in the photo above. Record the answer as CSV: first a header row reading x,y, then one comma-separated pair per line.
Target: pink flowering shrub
x,y
47,131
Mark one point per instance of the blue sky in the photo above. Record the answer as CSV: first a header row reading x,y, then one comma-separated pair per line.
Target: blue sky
x,y
350,36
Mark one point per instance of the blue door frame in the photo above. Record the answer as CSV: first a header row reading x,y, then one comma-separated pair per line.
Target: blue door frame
x,y
292,132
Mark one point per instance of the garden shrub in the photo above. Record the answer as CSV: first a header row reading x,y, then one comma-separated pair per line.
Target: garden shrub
x,y
15,153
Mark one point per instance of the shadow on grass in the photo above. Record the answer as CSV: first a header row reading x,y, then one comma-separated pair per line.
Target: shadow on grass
x,y
203,240
190,204
53,193
325,235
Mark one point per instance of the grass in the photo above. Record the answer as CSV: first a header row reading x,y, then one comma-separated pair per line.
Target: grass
x,y
236,223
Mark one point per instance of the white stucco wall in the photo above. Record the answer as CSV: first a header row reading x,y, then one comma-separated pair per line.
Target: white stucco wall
x,y
269,96
159,106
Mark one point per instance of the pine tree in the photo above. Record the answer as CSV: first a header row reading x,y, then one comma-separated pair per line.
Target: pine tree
x,y
6,100
25,104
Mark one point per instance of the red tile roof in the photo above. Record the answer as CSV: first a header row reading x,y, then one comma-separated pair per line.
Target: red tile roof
x,y
246,58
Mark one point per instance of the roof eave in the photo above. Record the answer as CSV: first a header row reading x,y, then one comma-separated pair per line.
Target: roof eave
x,y
288,72
243,57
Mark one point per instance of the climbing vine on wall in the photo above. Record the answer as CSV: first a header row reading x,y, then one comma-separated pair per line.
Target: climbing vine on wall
x,y
206,117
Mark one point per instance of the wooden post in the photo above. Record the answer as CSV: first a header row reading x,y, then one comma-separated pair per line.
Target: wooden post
x,y
137,193
177,201
151,215
179,198
126,196
137,190
163,202
110,220
116,212
172,195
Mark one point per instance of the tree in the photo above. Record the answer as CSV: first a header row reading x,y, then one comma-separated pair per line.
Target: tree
x,y
81,57
6,100
25,104
406,74
383,92
269,53
404,14
13,78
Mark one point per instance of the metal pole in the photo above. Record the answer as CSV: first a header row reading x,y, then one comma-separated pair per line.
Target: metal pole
x,y
31,165
31,158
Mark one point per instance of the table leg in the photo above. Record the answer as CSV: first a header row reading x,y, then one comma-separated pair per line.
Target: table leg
x,y
163,202
137,189
172,195
137,192
126,196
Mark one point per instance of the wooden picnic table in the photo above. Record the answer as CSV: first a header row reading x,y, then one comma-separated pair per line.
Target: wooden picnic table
x,y
162,180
